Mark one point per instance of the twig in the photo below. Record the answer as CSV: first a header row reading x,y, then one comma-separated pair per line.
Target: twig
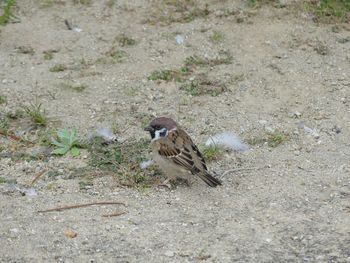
x,y
114,214
66,207
242,169
15,138
37,177
69,27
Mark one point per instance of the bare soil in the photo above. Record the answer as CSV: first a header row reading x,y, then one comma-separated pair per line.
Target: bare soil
x,y
288,75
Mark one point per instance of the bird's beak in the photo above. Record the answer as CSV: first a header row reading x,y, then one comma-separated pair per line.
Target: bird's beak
x,y
149,128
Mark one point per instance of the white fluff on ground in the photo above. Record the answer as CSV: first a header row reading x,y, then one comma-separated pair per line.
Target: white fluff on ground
x,y
106,133
228,140
145,164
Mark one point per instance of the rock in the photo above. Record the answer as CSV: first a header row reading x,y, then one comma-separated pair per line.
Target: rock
x,y
169,253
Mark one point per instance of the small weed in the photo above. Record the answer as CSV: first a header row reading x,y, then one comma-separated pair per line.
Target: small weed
x,y
177,11
74,87
46,3
4,124
67,141
275,139
84,185
169,75
113,56
343,40
238,78
271,139
123,159
217,37
212,152
118,55
36,114
45,137
48,54
328,11
58,68
195,61
124,40
260,3
161,75
6,181
321,48
201,85
82,2
224,58
6,11
26,50
3,99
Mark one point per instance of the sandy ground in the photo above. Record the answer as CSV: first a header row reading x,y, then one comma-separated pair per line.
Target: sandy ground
x,y
287,74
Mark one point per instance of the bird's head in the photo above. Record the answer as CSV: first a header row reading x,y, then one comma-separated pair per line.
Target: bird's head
x,y
159,127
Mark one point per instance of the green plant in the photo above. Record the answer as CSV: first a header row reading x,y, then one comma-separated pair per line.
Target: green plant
x,y
276,138
48,55
201,85
272,139
124,40
36,114
58,68
321,48
3,99
329,10
170,74
212,152
67,141
176,11
82,2
6,12
76,88
217,37
123,160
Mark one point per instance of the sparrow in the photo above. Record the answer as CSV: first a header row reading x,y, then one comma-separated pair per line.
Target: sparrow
x,y
175,153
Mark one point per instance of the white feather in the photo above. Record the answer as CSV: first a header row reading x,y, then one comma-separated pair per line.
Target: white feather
x,y
228,140
145,164
106,133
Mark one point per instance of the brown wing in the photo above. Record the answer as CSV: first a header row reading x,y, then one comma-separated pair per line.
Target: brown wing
x,y
174,148
179,148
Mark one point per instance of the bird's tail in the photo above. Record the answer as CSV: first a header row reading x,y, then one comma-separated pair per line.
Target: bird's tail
x,y
209,179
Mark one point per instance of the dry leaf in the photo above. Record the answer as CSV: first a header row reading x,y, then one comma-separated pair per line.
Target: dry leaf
x,y
70,233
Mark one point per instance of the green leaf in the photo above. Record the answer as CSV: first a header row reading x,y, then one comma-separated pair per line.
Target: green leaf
x,y
59,144
74,151
61,151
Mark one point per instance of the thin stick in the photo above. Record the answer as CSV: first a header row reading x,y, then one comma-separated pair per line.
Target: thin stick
x,y
37,177
66,207
242,169
114,214
14,137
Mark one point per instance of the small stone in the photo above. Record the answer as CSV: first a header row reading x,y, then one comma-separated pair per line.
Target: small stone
x,y
14,230
169,253
70,233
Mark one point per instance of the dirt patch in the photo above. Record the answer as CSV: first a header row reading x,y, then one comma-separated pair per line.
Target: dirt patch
x,y
270,74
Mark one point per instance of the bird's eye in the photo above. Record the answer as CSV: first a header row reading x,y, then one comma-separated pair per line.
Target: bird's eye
x,y
162,132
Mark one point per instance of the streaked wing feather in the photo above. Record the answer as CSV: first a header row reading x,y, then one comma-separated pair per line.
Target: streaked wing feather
x,y
174,149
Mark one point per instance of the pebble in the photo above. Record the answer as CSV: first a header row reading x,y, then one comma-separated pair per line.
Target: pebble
x,y
179,39
169,253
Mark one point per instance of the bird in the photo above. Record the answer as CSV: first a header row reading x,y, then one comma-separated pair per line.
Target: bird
x,y
175,152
